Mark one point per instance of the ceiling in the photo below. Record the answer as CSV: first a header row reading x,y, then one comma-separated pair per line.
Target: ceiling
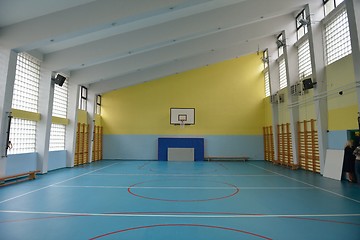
x,y
110,44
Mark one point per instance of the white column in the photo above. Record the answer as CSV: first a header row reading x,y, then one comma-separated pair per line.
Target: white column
x,y
274,87
46,97
91,106
353,12
292,69
318,73
7,78
71,127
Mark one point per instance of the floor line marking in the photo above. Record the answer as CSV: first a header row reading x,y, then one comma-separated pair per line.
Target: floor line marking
x,y
296,180
215,188
51,185
183,215
184,175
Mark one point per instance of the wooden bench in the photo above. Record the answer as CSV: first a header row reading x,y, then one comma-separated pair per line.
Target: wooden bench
x,y
223,158
31,175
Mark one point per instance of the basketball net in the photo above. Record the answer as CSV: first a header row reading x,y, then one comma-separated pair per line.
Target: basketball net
x,y
182,124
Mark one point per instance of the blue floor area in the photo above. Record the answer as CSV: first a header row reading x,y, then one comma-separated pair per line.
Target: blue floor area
x,y
180,200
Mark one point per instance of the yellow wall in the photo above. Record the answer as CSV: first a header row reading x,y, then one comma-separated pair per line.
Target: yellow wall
x,y
227,97
342,109
82,116
268,112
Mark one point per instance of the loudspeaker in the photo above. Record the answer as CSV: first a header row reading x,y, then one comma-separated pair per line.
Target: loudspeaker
x,y
59,79
307,84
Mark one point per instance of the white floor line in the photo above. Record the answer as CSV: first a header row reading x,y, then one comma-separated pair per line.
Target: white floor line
x,y
180,215
200,188
185,175
39,189
296,180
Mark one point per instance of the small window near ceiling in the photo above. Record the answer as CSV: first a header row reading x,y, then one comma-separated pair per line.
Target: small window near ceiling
x,y
83,98
301,24
330,5
280,44
98,104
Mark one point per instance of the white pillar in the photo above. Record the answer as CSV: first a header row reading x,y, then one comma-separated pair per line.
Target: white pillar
x,y
91,106
292,69
46,97
314,11
353,12
71,127
7,78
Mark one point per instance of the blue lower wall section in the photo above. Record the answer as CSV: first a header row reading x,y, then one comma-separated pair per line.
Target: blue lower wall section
x,y
20,163
57,160
144,147
337,139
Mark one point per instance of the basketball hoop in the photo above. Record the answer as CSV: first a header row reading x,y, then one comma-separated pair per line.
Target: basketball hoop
x,y
182,124
182,118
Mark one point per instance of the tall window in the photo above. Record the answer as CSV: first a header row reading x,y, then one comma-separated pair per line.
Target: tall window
x,y
58,131
330,5
337,37
60,100
265,59
83,98
26,86
98,104
282,74
304,60
25,97
301,24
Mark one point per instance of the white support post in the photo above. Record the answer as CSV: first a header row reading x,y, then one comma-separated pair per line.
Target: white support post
x,y
46,97
71,127
91,104
7,78
274,87
353,12
318,73
292,69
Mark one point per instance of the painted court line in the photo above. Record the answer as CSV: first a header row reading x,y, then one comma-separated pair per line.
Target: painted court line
x,y
185,175
180,215
200,188
39,189
296,180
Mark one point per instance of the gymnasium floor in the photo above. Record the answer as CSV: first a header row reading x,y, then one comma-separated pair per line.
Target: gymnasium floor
x,y
155,200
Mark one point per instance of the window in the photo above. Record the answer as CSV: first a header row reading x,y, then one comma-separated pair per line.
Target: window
x,y
337,38
282,74
301,24
83,98
304,60
265,60
280,44
60,100
57,137
22,136
330,5
98,104
267,82
58,131
26,86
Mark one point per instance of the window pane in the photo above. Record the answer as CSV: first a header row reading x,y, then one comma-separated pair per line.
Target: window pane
x,y
57,137
337,38
267,83
304,60
26,86
22,136
60,100
282,74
